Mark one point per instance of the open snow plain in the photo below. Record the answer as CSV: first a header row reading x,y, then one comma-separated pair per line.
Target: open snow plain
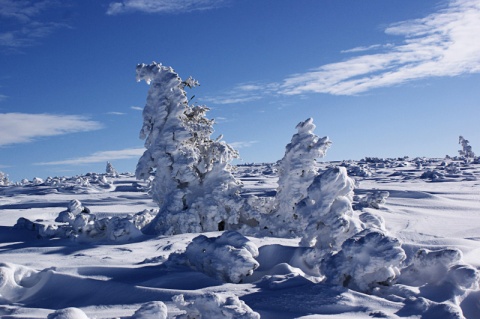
x,y
431,206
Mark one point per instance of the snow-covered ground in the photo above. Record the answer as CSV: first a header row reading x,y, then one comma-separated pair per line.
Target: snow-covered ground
x,y
431,207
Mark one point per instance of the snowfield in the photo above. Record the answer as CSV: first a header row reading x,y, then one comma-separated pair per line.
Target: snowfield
x,y
74,248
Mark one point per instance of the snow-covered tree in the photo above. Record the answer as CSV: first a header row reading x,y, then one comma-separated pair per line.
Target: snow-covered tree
x,y
326,214
110,170
466,150
3,179
193,182
296,171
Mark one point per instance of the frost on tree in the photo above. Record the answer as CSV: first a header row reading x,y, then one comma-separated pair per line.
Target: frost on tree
x,y
466,150
296,171
193,183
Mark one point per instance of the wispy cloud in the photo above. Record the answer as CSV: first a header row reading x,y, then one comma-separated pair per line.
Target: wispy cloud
x,y
115,113
438,45
136,108
23,128
99,157
369,48
242,144
162,6
244,92
24,24
443,44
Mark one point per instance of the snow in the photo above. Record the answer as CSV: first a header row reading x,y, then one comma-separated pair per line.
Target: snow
x,y
419,259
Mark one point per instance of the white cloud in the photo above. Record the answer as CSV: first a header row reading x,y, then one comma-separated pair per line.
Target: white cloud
x,y
244,92
368,48
24,24
441,44
115,113
137,108
242,144
23,128
162,6
99,157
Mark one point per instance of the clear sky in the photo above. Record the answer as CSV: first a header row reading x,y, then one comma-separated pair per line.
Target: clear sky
x,y
380,78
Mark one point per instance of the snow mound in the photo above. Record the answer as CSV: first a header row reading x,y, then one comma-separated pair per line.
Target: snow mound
x,y
211,305
229,257
367,260
13,278
440,267
430,310
68,313
151,310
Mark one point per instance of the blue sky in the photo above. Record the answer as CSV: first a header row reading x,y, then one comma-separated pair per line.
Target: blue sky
x,y
380,78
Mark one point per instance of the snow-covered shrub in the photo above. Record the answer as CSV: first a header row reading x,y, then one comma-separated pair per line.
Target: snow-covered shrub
x,y
229,257
79,224
151,310
296,171
74,208
37,181
365,261
68,313
452,168
326,215
357,170
211,305
373,199
193,182
433,175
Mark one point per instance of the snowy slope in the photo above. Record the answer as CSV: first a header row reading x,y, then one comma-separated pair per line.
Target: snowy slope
x,y
106,279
